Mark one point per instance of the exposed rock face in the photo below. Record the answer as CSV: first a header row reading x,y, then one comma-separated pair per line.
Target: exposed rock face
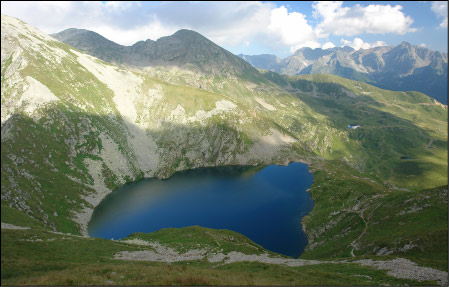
x,y
404,67
398,267
185,48
265,61
72,120
74,127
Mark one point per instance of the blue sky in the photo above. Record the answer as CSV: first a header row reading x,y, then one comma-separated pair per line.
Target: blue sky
x,y
278,28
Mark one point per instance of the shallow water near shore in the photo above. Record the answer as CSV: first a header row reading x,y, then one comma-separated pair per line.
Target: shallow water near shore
x,y
266,204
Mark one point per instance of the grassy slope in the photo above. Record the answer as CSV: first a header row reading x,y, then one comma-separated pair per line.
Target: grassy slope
x,y
315,113
368,208
31,257
393,125
353,207
329,180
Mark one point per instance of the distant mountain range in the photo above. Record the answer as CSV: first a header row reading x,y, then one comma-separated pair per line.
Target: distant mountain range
x,y
402,68
74,128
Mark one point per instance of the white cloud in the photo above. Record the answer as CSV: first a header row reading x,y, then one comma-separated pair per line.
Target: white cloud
x,y
121,5
229,24
350,21
423,45
328,45
116,19
225,23
154,30
358,44
309,44
292,29
440,9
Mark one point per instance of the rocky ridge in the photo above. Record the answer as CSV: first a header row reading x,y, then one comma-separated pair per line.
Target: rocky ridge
x,y
71,120
404,67
185,49
108,134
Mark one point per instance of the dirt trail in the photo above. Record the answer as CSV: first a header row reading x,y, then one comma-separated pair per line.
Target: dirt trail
x,y
360,213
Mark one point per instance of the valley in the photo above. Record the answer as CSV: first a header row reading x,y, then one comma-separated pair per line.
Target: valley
x,y
404,67
75,128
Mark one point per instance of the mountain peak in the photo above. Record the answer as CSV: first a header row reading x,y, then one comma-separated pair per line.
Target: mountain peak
x,y
401,67
187,32
347,49
81,35
184,49
406,44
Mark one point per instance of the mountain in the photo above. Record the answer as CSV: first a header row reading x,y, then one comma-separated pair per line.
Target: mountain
x,y
265,61
401,68
92,126
93,43
185,48
74,128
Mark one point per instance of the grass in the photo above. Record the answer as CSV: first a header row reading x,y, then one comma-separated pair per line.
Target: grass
x,y
361,184
196,237
395,218
393,124
60,259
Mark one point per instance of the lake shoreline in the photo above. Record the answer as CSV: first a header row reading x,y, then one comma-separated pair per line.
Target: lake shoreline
x,y
285,192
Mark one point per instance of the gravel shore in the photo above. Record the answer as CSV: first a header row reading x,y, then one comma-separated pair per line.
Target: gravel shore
x,y
399,267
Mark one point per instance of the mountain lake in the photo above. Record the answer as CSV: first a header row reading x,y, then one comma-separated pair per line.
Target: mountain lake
x,y
266,204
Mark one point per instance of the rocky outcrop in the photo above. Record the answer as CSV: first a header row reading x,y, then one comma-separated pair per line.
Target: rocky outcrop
x,y
96,126
404,67
184,49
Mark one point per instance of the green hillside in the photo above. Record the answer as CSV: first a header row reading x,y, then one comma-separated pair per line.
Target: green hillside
x,y
74,128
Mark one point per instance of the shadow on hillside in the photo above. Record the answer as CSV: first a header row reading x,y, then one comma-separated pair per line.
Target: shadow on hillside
x,y
48,163
42,156
67,136
383,136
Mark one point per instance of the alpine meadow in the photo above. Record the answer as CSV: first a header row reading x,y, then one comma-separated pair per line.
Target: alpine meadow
x,y
82,116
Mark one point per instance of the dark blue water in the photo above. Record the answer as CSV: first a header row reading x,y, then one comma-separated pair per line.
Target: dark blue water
x,y
265,204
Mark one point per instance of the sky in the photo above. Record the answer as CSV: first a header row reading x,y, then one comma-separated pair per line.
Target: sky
x,y
251,28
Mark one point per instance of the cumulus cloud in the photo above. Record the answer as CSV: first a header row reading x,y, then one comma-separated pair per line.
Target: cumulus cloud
x,y
230,23
117,21
328,45
350,21
358,44
440,9
292,29
240,23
